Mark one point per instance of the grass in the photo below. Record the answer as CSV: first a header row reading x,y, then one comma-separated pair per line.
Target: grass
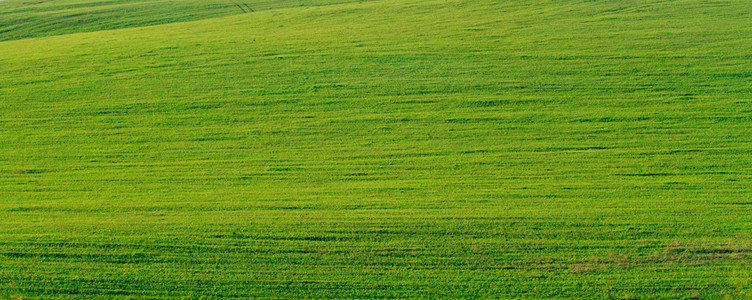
x,y
28,19
390,149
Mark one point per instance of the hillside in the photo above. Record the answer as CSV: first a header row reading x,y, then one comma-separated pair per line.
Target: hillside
x,y
380,149
27,19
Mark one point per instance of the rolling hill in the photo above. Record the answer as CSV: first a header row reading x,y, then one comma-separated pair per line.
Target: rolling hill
x,y
377,149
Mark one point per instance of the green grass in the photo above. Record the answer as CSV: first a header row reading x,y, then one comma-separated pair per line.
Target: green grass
x,y
390,149
27,18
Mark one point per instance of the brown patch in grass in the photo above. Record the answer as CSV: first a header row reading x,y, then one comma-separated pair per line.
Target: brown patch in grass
x,y
673,253
25,171
696,254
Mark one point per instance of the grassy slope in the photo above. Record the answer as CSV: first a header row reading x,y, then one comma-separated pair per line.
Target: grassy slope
x,y
393,148
25,19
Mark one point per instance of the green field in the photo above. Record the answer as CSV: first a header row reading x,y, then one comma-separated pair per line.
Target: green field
x,y
291,149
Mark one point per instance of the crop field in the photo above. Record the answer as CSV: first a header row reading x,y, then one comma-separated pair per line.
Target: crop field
x,y
286,149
